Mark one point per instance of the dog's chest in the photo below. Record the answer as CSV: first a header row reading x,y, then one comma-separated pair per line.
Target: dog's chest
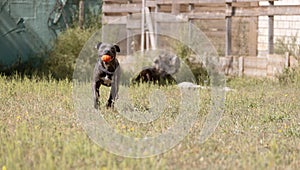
x,y
106,80
107,74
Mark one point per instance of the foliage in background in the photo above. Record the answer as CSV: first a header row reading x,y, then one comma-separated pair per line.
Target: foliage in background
x,y
198,69
33,66
61,61
289,75
59,56
290,45
62,58
92,20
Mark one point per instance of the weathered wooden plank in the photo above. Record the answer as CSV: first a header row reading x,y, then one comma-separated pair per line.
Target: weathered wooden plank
x,y
241,66
133,24
267,11
215,34
253,66
252,35
255,72
247,12
237,11
228,37
209,9
189,1
125,1
274,58
166,19
230,1
212,6
211,25
175,7
115,1
120,8
255,62
241,4
165,8
114,19
137,22
205,1
205,15
276,64
184,17
151,4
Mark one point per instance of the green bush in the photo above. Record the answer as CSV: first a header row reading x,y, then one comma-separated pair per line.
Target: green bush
x,y
198,69
290,45
31,67
61,61
289,75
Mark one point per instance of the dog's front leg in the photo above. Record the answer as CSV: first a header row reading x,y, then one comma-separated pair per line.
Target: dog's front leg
x,y
114,88
112,95
96,94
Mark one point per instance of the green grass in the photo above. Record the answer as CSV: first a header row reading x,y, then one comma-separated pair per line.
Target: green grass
x,y
260,129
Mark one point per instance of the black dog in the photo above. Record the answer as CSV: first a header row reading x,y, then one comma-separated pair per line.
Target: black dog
x,y
106,73
151,74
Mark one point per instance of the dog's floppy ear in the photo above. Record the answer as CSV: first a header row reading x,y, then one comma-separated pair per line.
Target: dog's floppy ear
x,y
98,45
117,48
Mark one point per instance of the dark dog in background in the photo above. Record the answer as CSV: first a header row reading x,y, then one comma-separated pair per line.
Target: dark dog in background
x,y
151,74
161,71
106,72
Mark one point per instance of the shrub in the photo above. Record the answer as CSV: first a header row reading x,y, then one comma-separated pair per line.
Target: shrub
x,y
198,69
290,45
61,61
289,75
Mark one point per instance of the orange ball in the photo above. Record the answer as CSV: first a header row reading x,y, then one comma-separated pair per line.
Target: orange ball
x,y
106,58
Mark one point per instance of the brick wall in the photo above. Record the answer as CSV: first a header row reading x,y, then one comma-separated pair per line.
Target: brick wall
x,y
284,26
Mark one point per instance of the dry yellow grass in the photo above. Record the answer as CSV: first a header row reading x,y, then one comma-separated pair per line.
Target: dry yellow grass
x,y
260,129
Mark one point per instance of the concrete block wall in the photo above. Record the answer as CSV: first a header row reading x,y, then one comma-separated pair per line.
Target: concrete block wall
x,y
284,26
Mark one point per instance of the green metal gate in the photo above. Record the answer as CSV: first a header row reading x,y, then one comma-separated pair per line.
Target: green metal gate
x,y
28,27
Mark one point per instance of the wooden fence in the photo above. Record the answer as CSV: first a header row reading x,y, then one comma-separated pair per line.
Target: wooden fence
x,y
219,20
226,11
269,66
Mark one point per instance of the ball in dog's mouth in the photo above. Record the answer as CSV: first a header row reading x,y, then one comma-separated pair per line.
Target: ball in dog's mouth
x,y
106,58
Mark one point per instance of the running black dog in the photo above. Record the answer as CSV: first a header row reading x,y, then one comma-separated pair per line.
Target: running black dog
x,y
106,72
161,71
155,76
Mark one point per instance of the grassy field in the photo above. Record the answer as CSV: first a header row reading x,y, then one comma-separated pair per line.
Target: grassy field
x,y
260,129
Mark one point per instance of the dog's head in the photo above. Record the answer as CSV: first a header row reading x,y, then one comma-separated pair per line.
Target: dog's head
x,y
107,49
167,62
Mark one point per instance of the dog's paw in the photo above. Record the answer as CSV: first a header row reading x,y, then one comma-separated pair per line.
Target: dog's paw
x,y
109,104
96,105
